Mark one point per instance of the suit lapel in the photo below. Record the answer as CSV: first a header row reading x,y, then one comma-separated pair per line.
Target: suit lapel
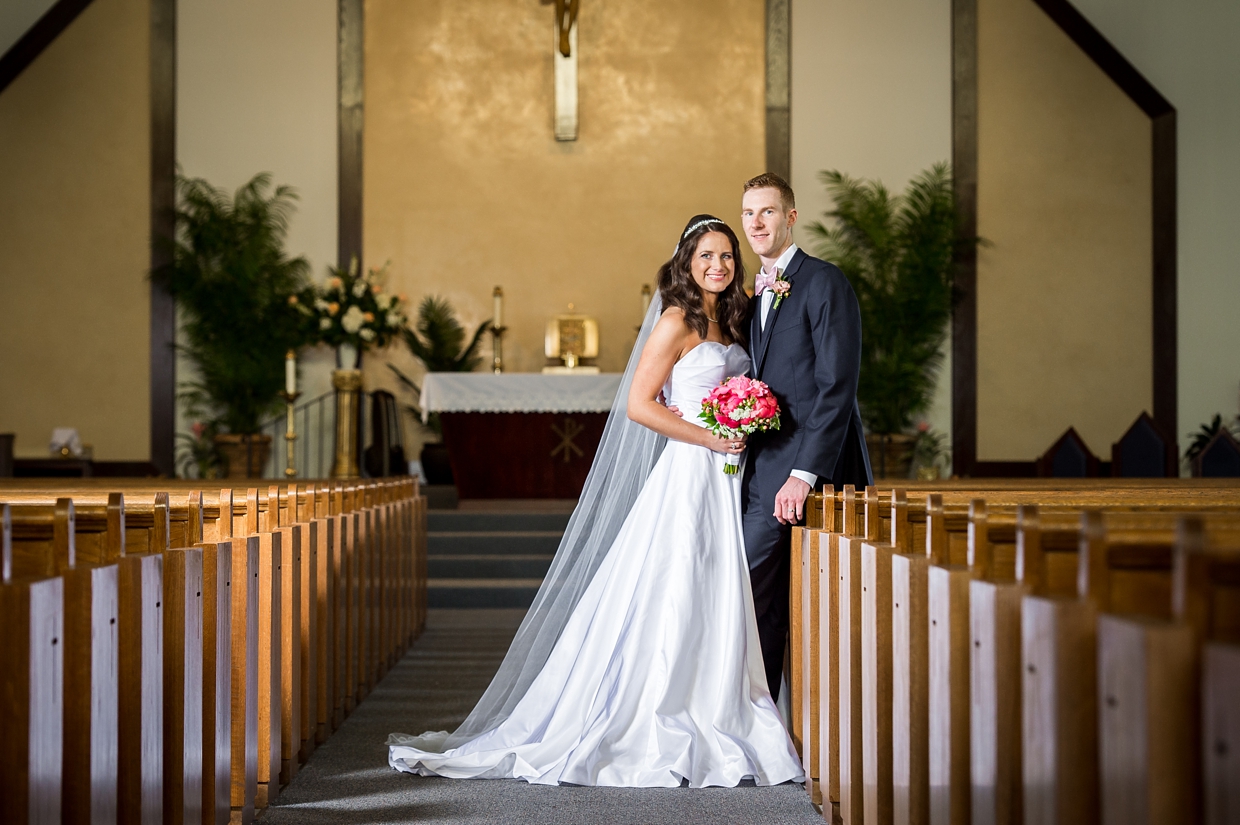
x,y
773,316
755,331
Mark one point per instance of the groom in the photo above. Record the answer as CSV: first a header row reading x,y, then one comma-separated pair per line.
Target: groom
x,y
805,343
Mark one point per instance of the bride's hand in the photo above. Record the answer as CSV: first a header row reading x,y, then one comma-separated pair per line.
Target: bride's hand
x,y
727,446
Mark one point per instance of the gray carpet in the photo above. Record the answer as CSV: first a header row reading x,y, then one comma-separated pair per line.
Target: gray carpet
x,y
433,688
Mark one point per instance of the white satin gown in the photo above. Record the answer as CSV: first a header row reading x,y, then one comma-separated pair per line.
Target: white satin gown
x,y
657,676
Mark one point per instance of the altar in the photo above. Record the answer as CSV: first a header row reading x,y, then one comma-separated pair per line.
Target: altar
x,y
520,435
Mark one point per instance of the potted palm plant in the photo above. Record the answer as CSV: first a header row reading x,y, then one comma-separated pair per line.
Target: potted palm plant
x,y
897,251
236,290
438,341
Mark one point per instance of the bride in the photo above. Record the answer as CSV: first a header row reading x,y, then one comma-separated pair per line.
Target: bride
x,y
638,664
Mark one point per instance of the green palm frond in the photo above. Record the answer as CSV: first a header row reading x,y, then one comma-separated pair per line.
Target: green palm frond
x,y
897,252
438,339
232,280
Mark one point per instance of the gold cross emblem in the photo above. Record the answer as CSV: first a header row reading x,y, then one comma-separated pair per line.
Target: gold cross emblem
x,y
570,431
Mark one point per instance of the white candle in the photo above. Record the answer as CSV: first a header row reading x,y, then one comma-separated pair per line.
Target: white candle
x,y
290,372
498,295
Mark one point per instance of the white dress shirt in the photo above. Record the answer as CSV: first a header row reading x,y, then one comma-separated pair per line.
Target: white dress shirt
x,y
768,297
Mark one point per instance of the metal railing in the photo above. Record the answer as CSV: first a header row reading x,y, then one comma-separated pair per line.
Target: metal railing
x,y
315,447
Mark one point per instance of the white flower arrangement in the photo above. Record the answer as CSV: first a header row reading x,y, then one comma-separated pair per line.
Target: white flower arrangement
x,y
353,308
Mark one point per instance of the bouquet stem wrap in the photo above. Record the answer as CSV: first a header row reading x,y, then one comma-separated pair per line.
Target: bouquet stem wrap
x,y
739,407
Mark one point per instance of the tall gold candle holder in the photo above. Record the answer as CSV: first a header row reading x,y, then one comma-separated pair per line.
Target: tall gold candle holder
x,y
497,348
290,434
348,385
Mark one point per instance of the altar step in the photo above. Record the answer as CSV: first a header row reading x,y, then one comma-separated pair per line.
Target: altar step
x,y
489,559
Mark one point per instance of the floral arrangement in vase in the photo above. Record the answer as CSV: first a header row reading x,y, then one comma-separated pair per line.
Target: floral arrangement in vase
x,y
352,312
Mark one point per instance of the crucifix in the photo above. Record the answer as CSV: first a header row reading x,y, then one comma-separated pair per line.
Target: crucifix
x,y
565,57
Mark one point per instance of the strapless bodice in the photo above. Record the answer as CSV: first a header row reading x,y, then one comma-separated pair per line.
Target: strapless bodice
x,y
702,369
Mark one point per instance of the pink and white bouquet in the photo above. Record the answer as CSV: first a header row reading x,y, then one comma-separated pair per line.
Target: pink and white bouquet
x,y
739,406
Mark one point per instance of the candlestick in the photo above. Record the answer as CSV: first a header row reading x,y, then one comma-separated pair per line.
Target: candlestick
x,y
497,348
290,372
645,299
498,297
290,434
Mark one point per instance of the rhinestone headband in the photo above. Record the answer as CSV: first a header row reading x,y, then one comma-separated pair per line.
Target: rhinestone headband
x,y
689,231
699,225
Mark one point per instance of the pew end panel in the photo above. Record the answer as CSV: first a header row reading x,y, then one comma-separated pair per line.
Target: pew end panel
x,y
245,679
1059,711
31,697
910,679
1148,721
1220,674
217,699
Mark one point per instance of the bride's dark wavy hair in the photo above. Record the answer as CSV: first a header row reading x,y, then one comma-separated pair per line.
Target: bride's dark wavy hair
x,y
678,289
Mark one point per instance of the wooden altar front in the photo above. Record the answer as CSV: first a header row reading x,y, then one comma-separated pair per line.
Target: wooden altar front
x,y
520,435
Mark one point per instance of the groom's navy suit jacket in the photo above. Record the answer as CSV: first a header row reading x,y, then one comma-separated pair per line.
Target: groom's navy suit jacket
x,y
809,354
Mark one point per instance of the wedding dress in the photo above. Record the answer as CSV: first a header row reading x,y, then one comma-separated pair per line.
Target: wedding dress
x,y
657,676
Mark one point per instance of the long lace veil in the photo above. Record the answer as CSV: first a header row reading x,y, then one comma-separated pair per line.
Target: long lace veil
x,y
625,456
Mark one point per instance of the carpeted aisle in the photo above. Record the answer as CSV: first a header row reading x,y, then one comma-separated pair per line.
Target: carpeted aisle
x,y
433,688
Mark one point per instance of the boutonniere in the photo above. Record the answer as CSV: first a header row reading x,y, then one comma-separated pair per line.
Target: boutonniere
x,y
781,287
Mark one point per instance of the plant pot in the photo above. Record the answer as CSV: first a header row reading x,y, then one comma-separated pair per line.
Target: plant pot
x,y
235,450
435,463
891,456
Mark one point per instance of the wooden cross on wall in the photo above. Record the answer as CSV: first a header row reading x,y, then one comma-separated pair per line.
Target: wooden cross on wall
x,y
565,57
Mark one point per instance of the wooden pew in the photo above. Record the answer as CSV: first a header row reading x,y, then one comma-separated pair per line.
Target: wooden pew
x,y
1059,648
162,533
858,527
1148,660
31,690
312,508
247,521
908,715
240,736
45,539
1207,587
141,650
217,657
197,640
306,534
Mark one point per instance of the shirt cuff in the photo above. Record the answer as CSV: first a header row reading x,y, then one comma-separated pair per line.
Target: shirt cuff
x,y
809,478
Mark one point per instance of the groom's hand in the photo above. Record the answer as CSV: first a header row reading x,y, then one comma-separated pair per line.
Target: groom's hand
x,y
790,501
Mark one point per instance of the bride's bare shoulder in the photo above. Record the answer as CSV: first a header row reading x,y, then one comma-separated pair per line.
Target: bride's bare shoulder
x,y
669,335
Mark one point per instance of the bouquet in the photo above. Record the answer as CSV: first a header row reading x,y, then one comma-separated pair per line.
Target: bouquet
x,y
353,308
739,406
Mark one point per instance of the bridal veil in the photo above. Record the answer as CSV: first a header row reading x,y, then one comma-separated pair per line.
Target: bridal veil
x,y
626,454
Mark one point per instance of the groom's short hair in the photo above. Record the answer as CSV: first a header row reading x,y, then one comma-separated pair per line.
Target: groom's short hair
x,y
770,180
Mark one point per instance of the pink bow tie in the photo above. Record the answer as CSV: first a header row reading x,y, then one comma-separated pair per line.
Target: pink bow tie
x,y
765,280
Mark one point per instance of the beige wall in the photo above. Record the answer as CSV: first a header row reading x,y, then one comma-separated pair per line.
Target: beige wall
x,y
74,229
256,92
1187,49
1064,203
466,188
871,96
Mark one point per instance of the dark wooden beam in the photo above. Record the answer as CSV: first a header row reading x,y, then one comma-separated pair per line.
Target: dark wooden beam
x,y
350,58
964,181
1166,255
1106,57
1164,221
48,27
1164,190
779,87
163,228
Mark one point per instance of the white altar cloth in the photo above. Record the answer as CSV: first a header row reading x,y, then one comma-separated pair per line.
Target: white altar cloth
x,y
517,392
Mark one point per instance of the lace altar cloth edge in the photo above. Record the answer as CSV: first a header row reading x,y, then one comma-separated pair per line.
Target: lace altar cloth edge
x,y
517,392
